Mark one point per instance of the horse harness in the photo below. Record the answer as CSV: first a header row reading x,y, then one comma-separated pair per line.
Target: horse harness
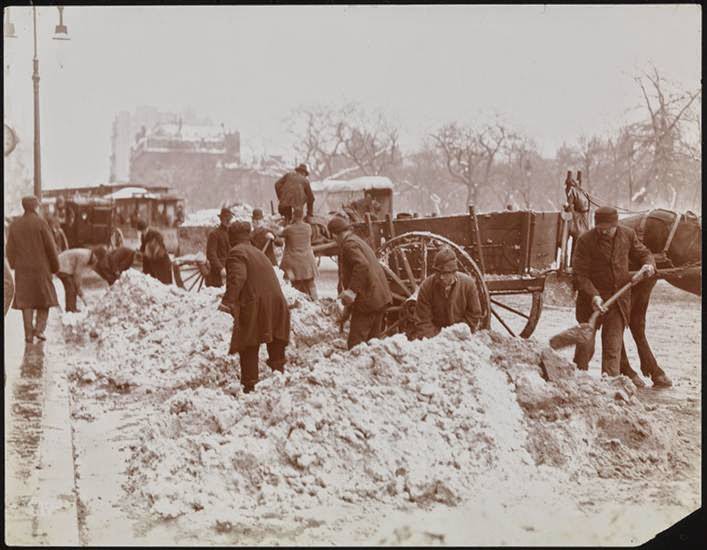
x,y
661,257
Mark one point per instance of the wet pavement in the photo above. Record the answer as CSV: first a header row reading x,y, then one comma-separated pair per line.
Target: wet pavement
x,y
39,497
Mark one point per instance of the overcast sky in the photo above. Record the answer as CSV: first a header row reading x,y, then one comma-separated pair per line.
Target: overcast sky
x,y
556,72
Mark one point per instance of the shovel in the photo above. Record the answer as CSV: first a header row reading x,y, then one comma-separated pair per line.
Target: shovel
x,y
584,332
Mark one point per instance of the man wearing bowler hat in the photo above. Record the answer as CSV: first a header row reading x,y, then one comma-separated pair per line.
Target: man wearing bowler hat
x,y
601,267
217,248
259,309
263,238
447,297
293,190
366,289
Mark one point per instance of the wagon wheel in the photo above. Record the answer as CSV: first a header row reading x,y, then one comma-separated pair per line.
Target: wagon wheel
x,y
189,275
517,313
407,261
116,238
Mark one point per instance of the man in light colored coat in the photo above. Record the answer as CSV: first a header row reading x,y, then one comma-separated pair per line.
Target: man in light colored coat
x,y
73,263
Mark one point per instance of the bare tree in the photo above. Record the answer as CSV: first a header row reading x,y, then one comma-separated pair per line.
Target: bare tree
x,y
344,140
469,153
665,134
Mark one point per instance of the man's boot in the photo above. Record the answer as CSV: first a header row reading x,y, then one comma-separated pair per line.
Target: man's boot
x,y
279,366
42,316
27,315
247,388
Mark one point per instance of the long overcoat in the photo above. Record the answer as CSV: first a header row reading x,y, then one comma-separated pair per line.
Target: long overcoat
x,y
298,260
217,247
361,272
254,295
597,274
32,254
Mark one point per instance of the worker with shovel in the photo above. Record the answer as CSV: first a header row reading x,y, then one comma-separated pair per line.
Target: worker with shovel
x,y
601,271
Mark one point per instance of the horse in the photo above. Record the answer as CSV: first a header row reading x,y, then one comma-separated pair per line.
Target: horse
x,y
676,241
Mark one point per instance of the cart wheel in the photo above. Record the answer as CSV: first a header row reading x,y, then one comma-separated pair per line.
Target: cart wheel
x,y
116,238
189,275
517,313
407,260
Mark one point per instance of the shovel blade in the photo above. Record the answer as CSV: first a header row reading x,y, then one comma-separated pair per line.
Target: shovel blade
x,y
579,334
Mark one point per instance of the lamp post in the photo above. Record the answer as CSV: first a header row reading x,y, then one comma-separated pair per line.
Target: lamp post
x,y
60,33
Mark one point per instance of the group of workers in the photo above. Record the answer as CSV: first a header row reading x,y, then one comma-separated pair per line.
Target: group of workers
x,y
243,255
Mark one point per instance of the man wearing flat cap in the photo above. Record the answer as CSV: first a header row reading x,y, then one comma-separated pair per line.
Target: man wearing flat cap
x,y
446,298
293,190
601,268
217,248
31,252
259,309
366,289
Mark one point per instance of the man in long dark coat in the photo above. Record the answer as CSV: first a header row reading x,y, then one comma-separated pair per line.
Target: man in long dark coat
x,y
217,248
32,254
365,287
254,298
293,190
601,267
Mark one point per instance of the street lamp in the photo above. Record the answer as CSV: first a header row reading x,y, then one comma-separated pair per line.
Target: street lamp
x,y
60,33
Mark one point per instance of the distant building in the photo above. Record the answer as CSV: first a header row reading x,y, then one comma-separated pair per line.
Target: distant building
x,y
127,125
191,158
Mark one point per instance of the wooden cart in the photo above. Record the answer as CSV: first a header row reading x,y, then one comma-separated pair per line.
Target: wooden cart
x,y
509,254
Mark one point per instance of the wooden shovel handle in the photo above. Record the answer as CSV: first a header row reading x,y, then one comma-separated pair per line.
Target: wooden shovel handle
x,y
637,278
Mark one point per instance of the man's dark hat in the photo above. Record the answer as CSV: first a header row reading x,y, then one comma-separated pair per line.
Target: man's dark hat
x,y
238,230
258,214
606,215
30,202
445,260
225,213
302,168
338,224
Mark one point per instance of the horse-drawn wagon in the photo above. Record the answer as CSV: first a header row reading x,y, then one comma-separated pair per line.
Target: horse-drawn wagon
x,y
509,254
82,221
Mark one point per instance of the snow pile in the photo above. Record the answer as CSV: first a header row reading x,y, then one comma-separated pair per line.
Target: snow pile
x,y
392,421
149,335
209,216
584,426
423,421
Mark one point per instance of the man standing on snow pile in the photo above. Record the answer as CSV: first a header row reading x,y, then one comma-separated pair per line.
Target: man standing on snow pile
x,y
298,261
263,237
217,247
293,190
601,267
366,291
446,298
259,309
